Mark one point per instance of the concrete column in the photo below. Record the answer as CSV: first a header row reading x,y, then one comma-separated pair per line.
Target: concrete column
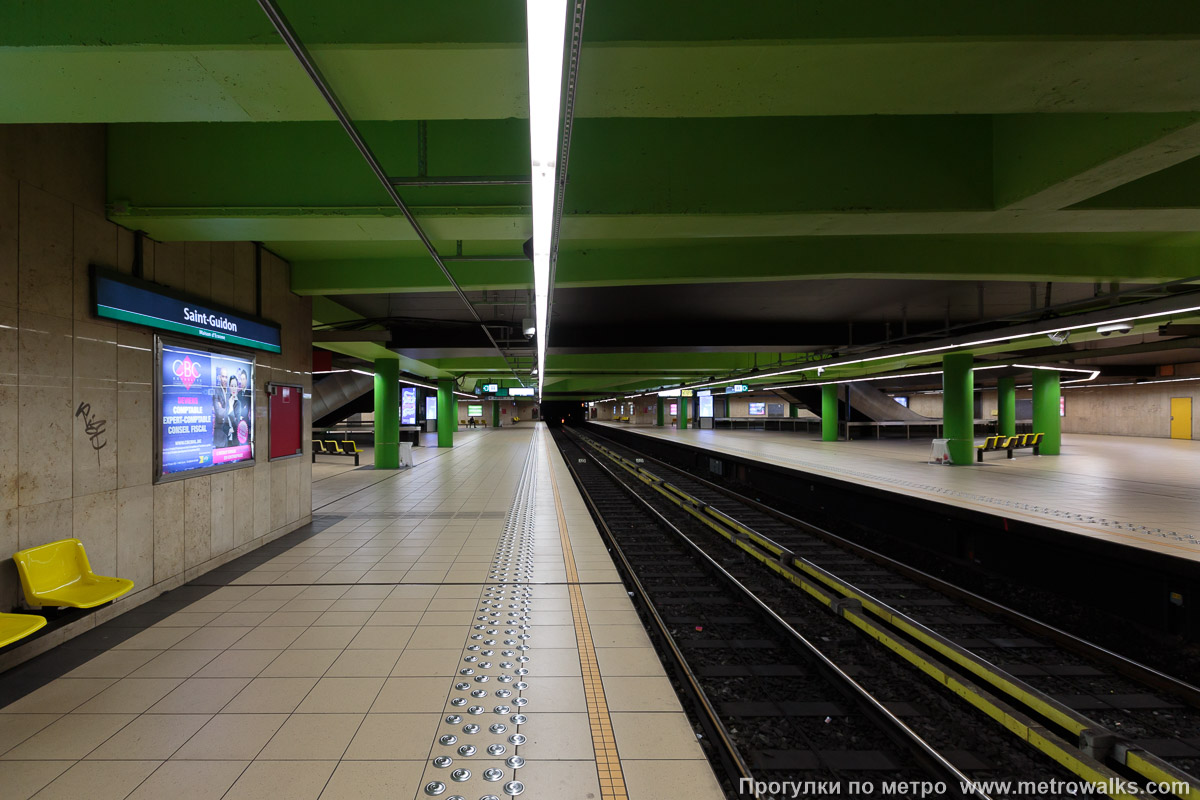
x,y
683,412
829,413
447,421
958,406
495,413
1046,394
1006,406
662,412
387,413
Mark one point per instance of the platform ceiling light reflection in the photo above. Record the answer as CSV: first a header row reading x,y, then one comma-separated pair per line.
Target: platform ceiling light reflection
x,y
546,24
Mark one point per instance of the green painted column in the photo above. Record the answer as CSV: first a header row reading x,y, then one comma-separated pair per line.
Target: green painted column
x,y
958,406
683,412
829,413
1006,406
495,414
793,410
1046,394
387,413
662,412
447,421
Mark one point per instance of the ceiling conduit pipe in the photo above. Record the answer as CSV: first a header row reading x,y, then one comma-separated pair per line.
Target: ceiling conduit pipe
x,y
284,28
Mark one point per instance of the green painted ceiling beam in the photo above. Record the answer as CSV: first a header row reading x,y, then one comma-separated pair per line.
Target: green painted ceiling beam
x,y
327,312
30,23
1052,161
262,82
1081,258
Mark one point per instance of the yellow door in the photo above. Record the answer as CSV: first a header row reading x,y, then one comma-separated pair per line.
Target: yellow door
x,y
1181,417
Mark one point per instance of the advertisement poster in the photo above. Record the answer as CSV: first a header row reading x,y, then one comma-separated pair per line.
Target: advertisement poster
x,y
706,405
207,409
475,411
431,407
408,405
758,409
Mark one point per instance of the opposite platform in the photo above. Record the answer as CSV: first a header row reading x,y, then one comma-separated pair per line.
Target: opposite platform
x,y
1138,492
461,615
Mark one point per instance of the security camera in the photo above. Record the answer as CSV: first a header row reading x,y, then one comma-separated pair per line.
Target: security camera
x,y
1114,327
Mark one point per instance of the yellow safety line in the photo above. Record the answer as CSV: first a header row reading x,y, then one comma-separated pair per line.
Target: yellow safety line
x,y
604,742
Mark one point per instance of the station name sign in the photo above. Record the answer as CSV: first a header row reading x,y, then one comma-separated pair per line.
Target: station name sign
x,y
127,299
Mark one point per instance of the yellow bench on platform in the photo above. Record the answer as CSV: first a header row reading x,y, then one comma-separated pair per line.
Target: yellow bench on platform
x,y
18,626
58,574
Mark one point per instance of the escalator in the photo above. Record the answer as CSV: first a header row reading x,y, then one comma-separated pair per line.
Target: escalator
x,y
340,395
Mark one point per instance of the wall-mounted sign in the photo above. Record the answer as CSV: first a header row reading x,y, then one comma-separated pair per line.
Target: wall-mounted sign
x,y
520,392
490,388
121,297
408,405
703,392
737,387
475,411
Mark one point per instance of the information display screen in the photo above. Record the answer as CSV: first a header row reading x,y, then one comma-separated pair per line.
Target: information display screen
x,y
207,409
706,405
758,409
474,411
431,407
408,405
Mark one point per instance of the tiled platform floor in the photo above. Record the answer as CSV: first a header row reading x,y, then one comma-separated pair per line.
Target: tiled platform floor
x,y
1134,491
326,665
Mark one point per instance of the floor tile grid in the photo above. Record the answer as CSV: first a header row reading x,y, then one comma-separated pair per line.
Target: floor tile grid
x,y
273,592
604,744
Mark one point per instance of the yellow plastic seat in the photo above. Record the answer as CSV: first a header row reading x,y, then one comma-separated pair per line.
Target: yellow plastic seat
x,y
351,446
332,447
58,574
18,626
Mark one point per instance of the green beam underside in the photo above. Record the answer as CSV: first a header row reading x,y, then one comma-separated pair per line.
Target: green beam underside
x,y
418,274
1075,257
1053,161
32,23
326,312
261,82
349,225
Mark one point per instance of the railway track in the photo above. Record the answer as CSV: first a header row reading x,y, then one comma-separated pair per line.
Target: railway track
x,y
1082,709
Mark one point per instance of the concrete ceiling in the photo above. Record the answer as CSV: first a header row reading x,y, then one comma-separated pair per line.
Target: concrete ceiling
x,y
748,181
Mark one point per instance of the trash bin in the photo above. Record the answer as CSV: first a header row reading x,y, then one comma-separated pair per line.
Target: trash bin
x,y
406,454
939,453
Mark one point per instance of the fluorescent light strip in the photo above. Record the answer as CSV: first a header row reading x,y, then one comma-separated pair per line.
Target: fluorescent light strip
x,y
1092,374
943,348
546,24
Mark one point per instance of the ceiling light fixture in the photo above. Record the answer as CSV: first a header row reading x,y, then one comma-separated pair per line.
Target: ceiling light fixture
x,y
546,23
948,347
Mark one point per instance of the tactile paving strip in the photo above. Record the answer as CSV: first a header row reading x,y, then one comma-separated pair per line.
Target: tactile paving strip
x,y
604,743
477,748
